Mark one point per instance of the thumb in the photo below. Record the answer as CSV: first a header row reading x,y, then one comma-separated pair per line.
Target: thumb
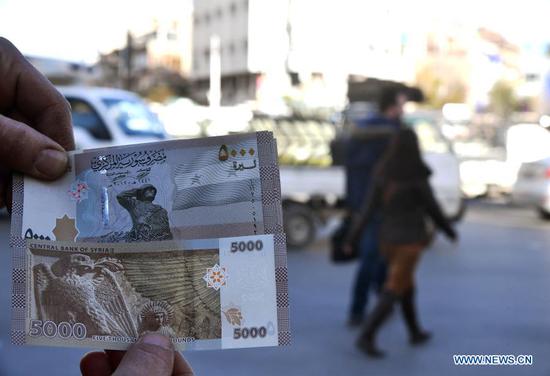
x,y
28,151
152,355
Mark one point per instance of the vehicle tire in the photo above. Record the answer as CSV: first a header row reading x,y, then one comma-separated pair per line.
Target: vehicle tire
x,y
543,214
299,225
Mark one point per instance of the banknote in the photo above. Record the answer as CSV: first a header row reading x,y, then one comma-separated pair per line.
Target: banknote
x,y
204,294
179,189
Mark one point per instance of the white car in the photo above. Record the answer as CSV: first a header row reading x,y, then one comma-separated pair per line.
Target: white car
x,y
525,143
532,186
108,117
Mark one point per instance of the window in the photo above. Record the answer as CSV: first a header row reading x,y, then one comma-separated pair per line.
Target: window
x,y
532,77
232,84
85,117
133,117
316,76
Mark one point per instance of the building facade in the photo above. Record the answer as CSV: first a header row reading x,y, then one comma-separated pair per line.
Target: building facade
x,y
298,49
253,45
159,54
306,50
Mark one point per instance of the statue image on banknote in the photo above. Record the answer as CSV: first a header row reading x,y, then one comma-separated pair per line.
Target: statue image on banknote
x,y
157,317
149,221
128,294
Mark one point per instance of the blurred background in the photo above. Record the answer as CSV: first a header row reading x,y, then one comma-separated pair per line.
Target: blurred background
x,y
478,74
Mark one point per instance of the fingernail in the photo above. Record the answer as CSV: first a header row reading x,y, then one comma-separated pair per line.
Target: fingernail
x,y
51,163
156,340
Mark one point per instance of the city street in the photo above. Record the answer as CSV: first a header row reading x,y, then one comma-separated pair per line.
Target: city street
x,y
486,295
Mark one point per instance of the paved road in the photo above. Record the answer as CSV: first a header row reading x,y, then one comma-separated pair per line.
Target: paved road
x,y
488,295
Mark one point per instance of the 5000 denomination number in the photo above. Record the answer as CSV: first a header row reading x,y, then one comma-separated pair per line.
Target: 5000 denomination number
x,y
249,332
250,245
62,330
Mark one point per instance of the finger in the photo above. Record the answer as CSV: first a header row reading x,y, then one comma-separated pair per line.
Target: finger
x,y
25,89
153,354
181,367
17,115
115,357
26,150
95,364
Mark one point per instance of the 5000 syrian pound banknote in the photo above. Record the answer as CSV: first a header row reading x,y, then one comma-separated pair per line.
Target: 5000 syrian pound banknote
x,y
181,189
203,294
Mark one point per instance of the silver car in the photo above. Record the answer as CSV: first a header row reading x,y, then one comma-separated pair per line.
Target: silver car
x,y
532,186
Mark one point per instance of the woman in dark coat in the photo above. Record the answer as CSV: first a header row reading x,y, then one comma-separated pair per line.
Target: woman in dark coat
x,y
403,195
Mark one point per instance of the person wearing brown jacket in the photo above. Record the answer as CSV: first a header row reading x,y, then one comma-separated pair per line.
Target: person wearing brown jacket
x,y
402,193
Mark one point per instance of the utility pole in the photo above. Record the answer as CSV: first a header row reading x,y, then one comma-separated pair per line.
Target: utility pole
x,y
128,57
215,92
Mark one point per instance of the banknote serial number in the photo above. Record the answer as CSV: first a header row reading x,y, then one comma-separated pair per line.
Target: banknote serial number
x,y
62,330
253,332
247,246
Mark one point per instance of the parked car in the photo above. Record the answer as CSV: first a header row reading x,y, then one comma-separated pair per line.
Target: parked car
x,y
532,187
107,117
497,172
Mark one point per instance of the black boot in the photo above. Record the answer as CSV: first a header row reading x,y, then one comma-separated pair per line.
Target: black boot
x,y
381,312
417,336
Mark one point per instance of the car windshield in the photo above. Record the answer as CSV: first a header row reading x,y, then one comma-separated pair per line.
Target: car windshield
x,y
134,117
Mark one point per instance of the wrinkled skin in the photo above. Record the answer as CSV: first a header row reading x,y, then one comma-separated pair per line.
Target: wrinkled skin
x,y
35,122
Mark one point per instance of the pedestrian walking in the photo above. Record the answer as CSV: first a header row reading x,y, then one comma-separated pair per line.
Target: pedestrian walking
x,y
368,143
402,196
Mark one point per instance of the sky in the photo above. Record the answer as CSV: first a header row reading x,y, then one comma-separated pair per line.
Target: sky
x,y
520,21
79,30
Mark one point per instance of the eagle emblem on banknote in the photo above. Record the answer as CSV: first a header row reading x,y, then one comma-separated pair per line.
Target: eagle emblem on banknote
x,y
78,289
130,293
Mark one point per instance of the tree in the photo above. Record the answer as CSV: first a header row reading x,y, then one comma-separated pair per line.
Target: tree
x,y
440,85
503,99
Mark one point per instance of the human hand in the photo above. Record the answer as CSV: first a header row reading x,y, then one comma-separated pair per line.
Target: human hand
x,y
152,355
35,122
